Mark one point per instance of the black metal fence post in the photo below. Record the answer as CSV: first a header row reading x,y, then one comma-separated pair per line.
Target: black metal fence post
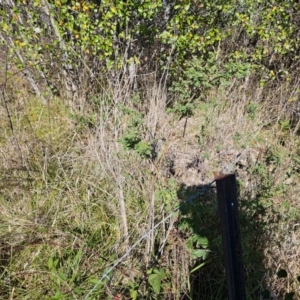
x,y
228,210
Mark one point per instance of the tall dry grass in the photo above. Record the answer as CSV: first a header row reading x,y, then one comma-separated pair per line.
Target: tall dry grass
x,y
74,200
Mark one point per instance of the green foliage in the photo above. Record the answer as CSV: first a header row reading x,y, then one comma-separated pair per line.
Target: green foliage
x,y
143,149
130,140
95,26
285,124
84,121
265,179
65,270
272,32
196,242
77,34
251,110
182,110
206,73
167,194
133,288
156,279
198,26
58,296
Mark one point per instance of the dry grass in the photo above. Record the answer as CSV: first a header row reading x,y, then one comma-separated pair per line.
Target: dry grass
x,y
65,174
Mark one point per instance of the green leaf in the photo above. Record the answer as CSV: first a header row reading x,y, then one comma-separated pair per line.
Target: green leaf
x,y
197,253
133,294
198,267
156,279
187,7
150,271
93,280
50,263
202,241
62,276
78,290
143,149
58,296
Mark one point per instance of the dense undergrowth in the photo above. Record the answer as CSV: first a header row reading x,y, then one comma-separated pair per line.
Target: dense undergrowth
x,y
61,225
101,139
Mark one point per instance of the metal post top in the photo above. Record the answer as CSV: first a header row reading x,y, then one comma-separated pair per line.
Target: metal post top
x,y
219,176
